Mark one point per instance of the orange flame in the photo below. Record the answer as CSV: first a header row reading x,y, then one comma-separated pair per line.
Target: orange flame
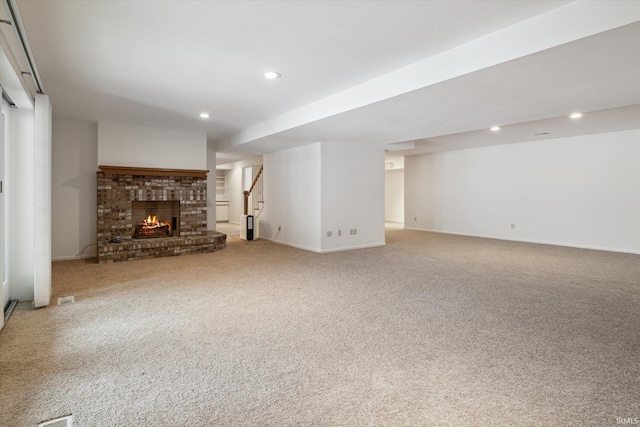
x,y
151,221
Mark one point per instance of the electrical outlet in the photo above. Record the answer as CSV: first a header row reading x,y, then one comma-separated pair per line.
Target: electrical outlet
x,y
355,231
339,232
328,234
513,226
415,218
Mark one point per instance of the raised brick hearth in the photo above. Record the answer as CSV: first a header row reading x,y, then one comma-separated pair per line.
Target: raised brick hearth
x,y
119,187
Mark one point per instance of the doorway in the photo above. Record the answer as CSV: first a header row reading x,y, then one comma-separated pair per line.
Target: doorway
x,y
394,191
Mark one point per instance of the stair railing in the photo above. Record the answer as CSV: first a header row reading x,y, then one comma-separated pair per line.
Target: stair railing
x,y
258,196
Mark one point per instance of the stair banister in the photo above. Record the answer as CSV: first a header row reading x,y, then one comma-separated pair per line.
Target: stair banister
x,y
247,193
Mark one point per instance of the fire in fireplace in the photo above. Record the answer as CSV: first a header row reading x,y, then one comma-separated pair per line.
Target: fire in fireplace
x,y
155,219
152,227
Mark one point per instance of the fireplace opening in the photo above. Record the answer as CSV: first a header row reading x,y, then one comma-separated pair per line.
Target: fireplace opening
x,y
155,219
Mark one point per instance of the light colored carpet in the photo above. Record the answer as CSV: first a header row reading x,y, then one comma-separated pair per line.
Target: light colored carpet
x,y
430,330
229,228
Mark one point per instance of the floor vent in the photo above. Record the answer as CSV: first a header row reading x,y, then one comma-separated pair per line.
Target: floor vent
x,y
66,300
66,421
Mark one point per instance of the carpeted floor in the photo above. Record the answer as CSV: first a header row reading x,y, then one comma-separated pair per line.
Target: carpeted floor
x,y
430,330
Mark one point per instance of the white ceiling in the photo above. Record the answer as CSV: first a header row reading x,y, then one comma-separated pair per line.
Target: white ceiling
x,y
162,63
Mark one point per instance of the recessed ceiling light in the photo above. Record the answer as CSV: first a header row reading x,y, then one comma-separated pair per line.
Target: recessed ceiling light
x,y
204,115
272,75
576,115
495,128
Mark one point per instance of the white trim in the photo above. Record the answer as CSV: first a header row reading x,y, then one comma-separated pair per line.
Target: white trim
x,y
324,251
293,245
350,248
537,242
73,258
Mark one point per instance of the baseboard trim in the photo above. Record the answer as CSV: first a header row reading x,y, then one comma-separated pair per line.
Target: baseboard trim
x,y
293,245
324,251
537,242
350,248
72,258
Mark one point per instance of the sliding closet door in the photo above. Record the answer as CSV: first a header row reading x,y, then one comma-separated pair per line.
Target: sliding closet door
x,y
4,284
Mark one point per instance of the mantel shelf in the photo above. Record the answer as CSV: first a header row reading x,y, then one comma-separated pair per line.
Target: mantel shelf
x,y
127,170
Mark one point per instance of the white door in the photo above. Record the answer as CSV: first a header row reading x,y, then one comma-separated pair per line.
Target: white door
x,y
3,216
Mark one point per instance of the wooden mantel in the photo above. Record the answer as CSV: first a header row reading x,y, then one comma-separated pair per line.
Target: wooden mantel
x,y
126,170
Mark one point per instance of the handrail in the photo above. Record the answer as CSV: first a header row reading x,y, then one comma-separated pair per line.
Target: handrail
x,y
256,179
247,193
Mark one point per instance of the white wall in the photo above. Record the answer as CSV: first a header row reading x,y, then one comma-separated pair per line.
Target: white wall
x,y
74,166
292,197
234,192
211,185
122,144
394,195
352,197
581,191
320,188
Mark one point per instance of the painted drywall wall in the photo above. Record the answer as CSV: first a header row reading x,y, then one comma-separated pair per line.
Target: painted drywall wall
x,y
42,188
292,197
74,166
352,200
211,185
580,191
234,193
122,144
320,188
394,195
20,199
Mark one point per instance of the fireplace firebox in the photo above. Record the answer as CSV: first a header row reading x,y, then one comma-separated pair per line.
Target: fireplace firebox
x,y
155,219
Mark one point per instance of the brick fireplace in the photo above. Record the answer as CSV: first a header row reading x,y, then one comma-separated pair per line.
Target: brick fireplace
x,y
177,197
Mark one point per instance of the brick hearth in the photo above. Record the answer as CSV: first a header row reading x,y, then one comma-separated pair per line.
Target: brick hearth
x,y
118,187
